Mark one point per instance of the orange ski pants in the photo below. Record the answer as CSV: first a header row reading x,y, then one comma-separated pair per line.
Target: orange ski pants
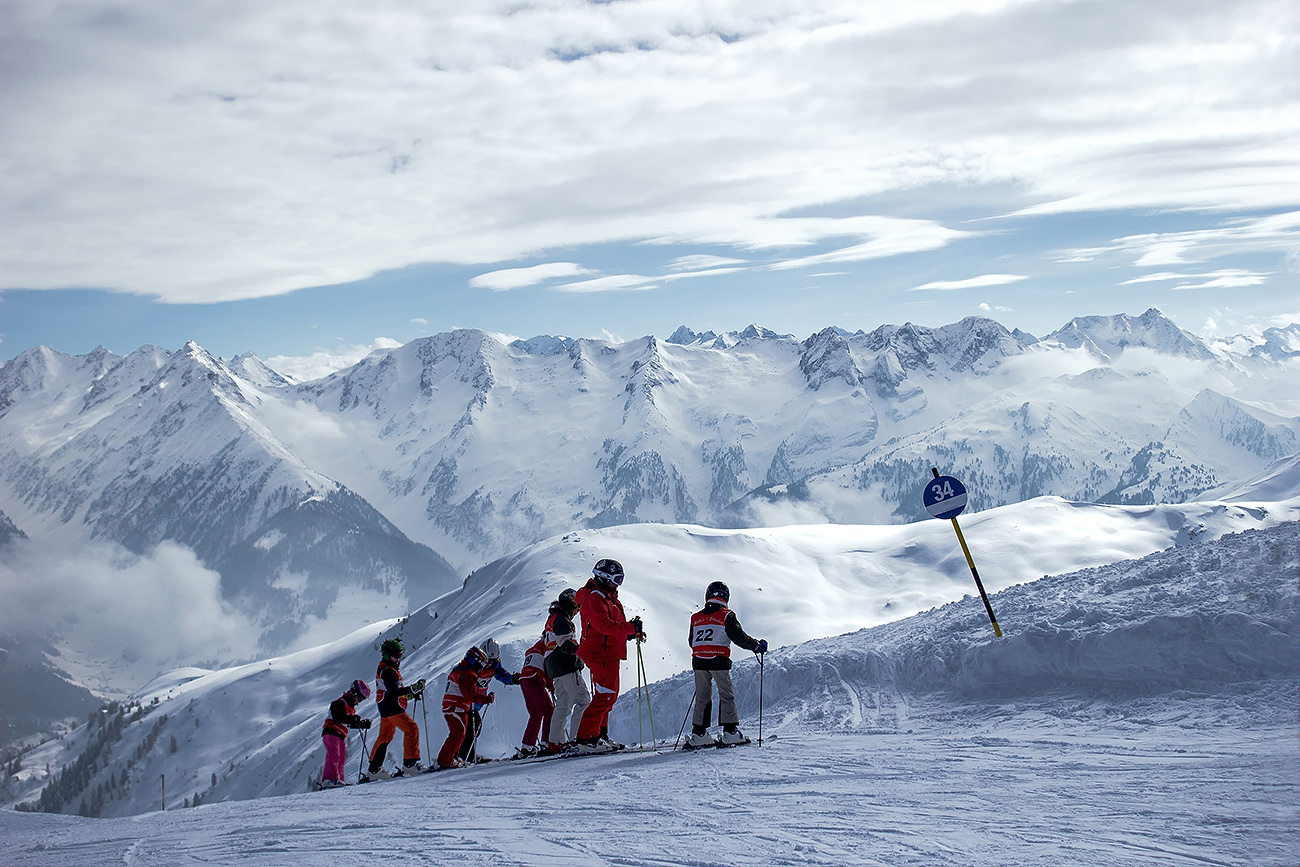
x,y
388,727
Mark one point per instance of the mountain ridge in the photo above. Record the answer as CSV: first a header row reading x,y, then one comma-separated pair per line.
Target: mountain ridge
x,y
422,462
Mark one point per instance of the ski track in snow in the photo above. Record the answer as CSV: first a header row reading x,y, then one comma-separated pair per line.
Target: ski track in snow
x,y
1030,790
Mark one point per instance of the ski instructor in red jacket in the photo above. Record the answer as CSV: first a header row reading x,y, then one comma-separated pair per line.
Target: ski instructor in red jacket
x,y
605,634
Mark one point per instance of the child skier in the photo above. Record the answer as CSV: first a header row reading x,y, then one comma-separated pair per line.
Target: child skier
x,y
342,716
462,693
391,695
605,634
537,688
564,669
489,670
713,630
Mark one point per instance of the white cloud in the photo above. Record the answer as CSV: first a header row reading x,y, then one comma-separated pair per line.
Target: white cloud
x,y
970,283
323,362
194,153
1227,278
419,320
702,262
136,614
884,236
518,278
1274,233
611,283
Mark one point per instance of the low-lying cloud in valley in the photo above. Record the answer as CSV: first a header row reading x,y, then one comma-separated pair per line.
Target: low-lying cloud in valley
x,y
101,603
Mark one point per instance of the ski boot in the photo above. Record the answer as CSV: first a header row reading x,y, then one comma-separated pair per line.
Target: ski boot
x,y
700,740
732,738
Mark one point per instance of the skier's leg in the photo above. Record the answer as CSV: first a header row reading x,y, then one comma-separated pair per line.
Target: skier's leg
x,y
387,728
335,758
566,688
410,738
473,726
727,714
700,717
604,685
581,701
456,726
540,708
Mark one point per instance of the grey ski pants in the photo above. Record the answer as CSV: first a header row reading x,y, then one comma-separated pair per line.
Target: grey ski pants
x,y
571,699
704,681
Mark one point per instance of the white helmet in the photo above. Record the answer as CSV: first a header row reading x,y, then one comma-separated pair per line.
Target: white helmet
x,y
492,649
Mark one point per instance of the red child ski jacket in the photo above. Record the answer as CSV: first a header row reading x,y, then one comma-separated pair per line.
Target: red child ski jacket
x,y
605,628
535,664
463,690
709,634
713,631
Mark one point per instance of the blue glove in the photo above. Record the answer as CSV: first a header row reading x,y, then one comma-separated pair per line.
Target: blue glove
x,y
762,646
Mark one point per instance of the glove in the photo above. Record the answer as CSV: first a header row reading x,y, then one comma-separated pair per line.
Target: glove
x,y
491,697
514,679
363,724
638,629
762,646
419,685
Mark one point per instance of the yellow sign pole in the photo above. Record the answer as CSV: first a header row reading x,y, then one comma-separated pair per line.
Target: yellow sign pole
x,y
970,561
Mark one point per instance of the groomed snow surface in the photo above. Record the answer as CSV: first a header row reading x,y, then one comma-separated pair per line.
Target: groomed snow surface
x,y
1137,713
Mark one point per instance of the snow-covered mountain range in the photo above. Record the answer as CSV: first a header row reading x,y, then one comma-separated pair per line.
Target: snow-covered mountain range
x,y
307,509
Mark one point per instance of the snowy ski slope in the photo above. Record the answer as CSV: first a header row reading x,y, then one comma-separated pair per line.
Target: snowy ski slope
x,y
1137,713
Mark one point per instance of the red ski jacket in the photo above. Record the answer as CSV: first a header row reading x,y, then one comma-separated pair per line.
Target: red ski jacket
x,y
605,628
535,664
463,689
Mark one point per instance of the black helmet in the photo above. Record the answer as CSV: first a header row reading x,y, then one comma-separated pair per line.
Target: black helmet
x,y
392,647
718,590
609,571
567,601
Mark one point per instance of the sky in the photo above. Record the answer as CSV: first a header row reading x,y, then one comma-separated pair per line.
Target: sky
x,y
309,180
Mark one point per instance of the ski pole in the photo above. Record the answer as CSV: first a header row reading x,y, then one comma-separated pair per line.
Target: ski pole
x,y
478,730
640,661
361,764
424,716
640,731
689,708
760,697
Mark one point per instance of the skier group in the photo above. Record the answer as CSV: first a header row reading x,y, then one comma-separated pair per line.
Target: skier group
x,y
564,715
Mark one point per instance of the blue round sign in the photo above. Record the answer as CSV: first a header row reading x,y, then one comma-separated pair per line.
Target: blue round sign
x,y
944,497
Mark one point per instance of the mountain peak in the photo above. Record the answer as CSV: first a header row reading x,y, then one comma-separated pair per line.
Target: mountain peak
x,y
1108,336
758,332
826,357
252,369
684,336
544,344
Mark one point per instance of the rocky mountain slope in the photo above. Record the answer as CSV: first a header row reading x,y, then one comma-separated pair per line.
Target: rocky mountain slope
x,y
325,504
